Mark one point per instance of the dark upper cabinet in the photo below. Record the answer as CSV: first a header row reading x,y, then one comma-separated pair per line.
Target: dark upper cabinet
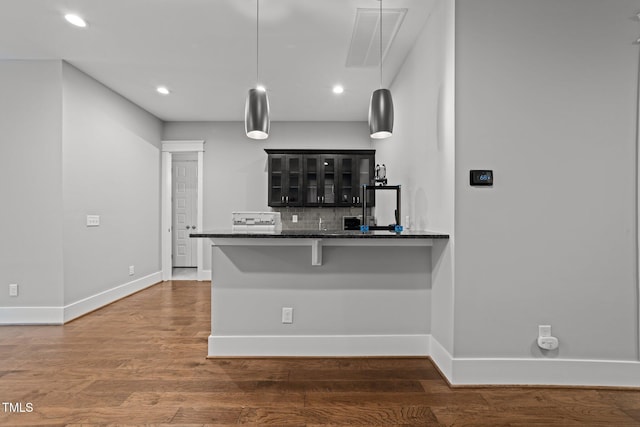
x,y
319,177
356,170
285,180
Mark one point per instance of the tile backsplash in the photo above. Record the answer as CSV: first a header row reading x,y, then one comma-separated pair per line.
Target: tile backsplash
x,y
309,218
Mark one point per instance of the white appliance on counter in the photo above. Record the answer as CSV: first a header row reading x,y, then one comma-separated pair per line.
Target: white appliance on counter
x,y
256,222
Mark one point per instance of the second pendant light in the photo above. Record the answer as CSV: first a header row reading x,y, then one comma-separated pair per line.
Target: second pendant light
x,y
381,105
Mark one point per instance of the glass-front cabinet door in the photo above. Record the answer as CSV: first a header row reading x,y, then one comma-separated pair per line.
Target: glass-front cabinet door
x,y
276,180
329,178
365,177
312,181
294,181
320,180
355,171
285,180
348,181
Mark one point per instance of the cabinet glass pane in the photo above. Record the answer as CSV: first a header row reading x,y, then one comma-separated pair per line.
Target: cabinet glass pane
x,y
312,180
365,178
276,195
276,164
346,183
294,164
346,164
345,195
329,166
294,195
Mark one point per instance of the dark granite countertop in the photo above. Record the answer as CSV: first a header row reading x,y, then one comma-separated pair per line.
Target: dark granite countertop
x,y
323,234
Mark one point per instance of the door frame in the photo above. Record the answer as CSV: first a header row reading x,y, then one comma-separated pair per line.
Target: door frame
x,y
168,148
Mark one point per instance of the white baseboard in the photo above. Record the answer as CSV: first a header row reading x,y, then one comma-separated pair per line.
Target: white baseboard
x,y
565,372
204,275
557,372
458,371
442,358
321,346
31,315
87,305
61,315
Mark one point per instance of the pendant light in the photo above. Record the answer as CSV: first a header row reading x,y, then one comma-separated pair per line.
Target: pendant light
x,y
256,109
381,105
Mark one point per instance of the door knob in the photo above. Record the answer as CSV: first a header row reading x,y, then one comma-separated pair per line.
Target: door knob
x,y
193,227
188,227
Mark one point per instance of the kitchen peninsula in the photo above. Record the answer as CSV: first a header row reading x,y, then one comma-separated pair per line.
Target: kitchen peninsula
x,y
320,293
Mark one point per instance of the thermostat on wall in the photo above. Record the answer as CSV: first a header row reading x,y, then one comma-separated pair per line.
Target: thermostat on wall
x,y
481,177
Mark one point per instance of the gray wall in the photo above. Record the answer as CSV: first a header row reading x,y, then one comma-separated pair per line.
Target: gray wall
x,y
235,167
355,291
31,185
111,168
72,147
545,96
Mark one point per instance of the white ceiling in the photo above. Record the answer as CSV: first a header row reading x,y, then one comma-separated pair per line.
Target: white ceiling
x,y
204,52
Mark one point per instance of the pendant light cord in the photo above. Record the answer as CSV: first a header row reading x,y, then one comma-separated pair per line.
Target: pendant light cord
x,y
257,39
380,44
637,203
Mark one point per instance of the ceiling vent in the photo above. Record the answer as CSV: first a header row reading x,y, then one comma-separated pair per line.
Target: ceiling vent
x,y
364,50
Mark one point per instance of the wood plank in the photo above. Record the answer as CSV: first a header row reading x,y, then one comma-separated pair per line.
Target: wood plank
x,y
365,400
209,400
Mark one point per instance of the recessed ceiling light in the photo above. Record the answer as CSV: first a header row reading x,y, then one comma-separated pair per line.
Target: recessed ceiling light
x,y
338,89
75,20
163,90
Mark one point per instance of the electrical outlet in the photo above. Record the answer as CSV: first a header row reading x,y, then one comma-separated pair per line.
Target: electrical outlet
x,y
13,290
132,270
294,218
93,220
287,315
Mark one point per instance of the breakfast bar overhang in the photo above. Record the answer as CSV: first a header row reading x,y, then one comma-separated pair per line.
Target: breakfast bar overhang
x,y
351,293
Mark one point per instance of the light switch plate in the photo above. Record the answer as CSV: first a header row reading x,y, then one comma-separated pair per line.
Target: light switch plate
x,y
13,290
93,220
287,315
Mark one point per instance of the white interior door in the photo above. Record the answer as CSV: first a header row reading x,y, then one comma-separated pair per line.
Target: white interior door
x,y
184,194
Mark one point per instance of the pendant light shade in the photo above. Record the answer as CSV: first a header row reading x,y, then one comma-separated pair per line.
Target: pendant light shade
x,y
256,114
381,114
381,105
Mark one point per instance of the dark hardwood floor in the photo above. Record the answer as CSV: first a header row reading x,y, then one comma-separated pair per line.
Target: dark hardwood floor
x,y
142,361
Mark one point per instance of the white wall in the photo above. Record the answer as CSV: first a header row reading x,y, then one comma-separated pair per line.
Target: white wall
x,y
31,188
111,168
545,96
420,155
235,167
